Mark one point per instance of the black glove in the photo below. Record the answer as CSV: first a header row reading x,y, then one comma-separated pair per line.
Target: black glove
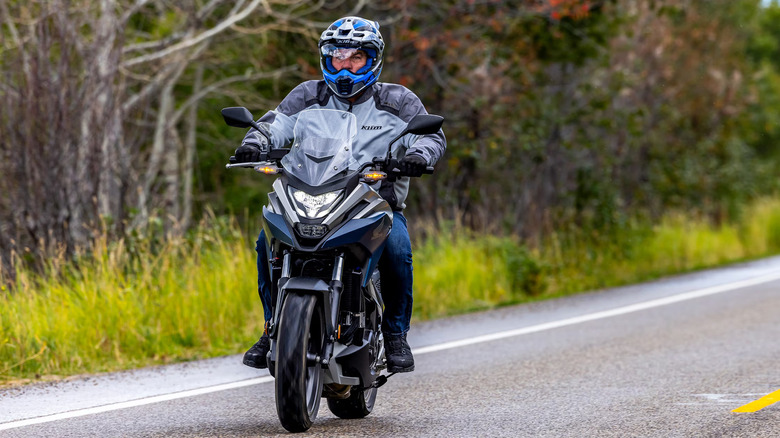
x,y
252,148
413,165
247,153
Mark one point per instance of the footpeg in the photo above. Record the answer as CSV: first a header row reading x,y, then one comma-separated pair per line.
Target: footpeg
x,y
381,380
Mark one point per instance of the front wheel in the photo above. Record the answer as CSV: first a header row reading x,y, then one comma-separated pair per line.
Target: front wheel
x,y
359,403
298,378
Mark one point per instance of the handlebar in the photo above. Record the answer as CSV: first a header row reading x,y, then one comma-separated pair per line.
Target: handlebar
x,y
428,171
247,164
254,164
392,168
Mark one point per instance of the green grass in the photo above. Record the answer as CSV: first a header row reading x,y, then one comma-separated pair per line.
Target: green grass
x,y
135,303
456,272
127,306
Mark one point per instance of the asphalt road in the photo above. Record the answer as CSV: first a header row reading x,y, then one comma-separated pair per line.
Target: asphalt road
x,y
668,358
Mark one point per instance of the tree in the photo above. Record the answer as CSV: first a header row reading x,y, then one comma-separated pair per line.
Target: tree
x,y
85,87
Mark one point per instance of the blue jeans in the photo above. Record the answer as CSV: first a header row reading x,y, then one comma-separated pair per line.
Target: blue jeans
x,y
395,267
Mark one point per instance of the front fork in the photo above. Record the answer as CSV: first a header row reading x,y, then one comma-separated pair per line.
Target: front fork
x,y
286,272
336,286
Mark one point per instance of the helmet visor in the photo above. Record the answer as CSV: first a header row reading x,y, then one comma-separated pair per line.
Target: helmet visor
x,y
338,52
330,52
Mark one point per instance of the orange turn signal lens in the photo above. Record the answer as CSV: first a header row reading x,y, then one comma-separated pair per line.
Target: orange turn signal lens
x,y
374,176
268,170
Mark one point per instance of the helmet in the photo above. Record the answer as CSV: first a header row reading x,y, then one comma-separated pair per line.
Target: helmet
x,y
351,33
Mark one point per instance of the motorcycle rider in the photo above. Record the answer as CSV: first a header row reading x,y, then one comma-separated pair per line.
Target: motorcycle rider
x,y
351,61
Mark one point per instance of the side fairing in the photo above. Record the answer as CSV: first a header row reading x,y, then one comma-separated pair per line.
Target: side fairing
x,y
370,233
276,227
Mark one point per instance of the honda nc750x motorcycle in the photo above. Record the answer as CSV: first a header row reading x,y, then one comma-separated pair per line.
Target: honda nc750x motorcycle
x,y
325,226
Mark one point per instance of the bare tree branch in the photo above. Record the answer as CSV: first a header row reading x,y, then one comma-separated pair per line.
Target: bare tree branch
x,y
281,27
67,26
162,127
152,87
195,40
10,23
153,45
15,37
135,8
206,10
189,153
174,119
287,18
201,15
158,147
358,7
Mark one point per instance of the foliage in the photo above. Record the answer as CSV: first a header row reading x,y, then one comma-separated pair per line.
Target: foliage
x,y
589,112
456,271
140,302
577,127
620,111
131,303
100,102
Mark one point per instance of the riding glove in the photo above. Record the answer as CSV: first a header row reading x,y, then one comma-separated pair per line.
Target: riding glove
x,y
413,165
252,148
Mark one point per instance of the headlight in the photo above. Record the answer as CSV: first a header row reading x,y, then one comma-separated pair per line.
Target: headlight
x,y
314,207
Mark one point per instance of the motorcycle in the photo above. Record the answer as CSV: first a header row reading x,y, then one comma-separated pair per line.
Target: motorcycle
x,y
326,226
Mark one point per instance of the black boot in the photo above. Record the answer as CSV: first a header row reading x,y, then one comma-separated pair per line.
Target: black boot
x,y
255,357
399,355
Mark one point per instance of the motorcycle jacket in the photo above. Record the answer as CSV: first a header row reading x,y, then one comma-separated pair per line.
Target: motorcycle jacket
x,y
382,112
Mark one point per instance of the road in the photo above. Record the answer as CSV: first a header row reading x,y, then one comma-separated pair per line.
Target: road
x,y
668,358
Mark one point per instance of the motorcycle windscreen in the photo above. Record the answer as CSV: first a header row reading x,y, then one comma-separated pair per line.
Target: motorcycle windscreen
x,y
322,147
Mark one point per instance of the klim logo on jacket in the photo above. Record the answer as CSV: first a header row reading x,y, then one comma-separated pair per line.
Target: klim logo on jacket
x,y
371,127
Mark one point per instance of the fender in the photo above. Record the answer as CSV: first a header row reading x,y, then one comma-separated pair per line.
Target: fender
x,y
329,294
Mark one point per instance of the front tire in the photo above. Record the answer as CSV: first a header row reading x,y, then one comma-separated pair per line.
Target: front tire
x,y
298,379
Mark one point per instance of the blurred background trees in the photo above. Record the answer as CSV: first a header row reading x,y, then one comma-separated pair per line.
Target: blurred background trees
x,y
559,113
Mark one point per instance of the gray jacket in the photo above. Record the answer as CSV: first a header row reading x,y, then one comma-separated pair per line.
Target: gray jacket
x,y
382,112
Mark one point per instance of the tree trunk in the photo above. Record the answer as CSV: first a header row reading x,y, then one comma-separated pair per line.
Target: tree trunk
x,y
189,154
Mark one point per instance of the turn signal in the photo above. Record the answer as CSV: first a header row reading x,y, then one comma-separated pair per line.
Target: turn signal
x,y
374,176
268,169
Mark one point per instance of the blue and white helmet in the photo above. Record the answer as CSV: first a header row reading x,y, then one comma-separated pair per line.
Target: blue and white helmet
x,y
351,33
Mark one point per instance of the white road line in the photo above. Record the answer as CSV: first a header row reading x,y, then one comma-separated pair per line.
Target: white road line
x,y
603,314
134,403
418,351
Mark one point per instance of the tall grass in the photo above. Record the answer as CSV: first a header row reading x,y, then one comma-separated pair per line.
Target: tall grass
x,y
129,304
457,272
139,302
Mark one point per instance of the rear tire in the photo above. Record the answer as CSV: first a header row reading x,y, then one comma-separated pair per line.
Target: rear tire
x,y
359,404
299,380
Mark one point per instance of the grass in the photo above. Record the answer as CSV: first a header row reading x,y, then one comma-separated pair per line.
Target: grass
x,y
134,303
127,305
456,272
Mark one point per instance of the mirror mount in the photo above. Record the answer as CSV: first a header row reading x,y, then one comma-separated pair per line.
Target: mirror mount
x,y
421,124
240,117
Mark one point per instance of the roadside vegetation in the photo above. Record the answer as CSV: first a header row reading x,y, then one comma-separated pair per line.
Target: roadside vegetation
x,y
591,143
456,271
139,302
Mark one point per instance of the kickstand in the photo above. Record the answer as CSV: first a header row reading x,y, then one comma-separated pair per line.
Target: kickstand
x,y
381,380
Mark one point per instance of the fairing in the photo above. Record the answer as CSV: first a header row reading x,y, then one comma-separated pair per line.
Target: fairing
x,y
322,148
